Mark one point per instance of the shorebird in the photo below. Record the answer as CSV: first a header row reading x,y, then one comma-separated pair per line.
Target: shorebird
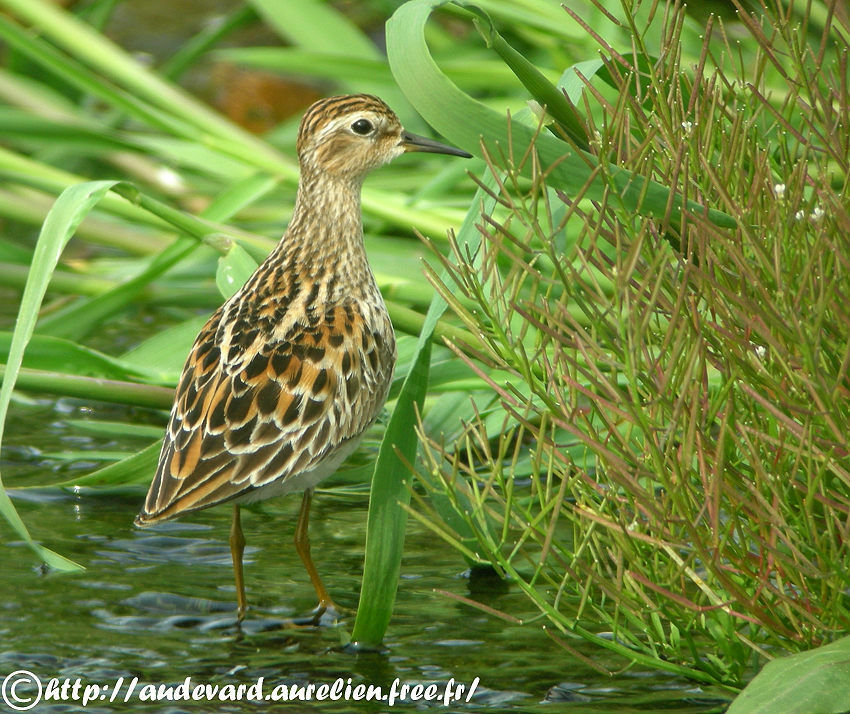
x,y
289,372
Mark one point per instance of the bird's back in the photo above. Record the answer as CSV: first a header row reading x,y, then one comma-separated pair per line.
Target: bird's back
x,y
269,393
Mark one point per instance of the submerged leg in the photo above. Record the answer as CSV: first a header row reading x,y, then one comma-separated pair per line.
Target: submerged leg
x,y
237,548
302,545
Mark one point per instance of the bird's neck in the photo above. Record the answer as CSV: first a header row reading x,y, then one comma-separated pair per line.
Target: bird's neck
x,y
324,240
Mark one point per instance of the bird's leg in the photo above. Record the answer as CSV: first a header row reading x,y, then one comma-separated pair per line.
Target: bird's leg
x,y
237,548
302,545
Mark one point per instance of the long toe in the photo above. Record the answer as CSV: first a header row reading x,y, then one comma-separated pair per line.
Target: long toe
x,y
327,613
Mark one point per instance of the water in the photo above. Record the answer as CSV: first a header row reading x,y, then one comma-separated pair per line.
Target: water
x,y
159,604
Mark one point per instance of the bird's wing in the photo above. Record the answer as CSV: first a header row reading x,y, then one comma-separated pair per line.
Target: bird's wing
x,y
246,414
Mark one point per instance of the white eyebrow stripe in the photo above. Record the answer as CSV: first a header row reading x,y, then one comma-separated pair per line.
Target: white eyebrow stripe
x,y
338,122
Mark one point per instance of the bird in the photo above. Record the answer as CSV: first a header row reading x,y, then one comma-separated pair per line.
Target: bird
x,y
285,377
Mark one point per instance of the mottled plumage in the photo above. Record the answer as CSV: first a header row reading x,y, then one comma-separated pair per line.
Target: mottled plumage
x,y
286,376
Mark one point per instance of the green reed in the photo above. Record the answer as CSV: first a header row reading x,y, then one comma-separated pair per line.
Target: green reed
x,y
665,472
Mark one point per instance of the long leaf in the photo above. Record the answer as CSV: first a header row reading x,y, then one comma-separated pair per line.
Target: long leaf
x,y
559,106
318,27
813,681
85,43
54,354
60,224
136,468
359,71
93,388
387,519
390,493
467,122
84,316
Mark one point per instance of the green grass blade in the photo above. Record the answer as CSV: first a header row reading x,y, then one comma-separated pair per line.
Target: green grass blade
x,y
208,37
387,518
359,71
546,16
327,65
84,316
70,71
165,352
136,468
546,93
48,178
109,429
86,44
318,27
390,494
93,388
60,224
83,137
315,25
467,122
238,195
54,354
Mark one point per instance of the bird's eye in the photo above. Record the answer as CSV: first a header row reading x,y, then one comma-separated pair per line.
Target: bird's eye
x,y
362,127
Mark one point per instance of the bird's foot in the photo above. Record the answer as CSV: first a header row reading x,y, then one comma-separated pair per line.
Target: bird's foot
x,y
326,614
328,611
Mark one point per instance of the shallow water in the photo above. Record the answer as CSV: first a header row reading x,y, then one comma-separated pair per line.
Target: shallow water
x,y
159,605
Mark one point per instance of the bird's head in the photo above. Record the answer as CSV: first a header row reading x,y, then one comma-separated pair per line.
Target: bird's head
x,y
350,135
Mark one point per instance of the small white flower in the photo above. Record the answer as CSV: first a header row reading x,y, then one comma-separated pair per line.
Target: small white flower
x,y
816,214
779,190
687,127
799,215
